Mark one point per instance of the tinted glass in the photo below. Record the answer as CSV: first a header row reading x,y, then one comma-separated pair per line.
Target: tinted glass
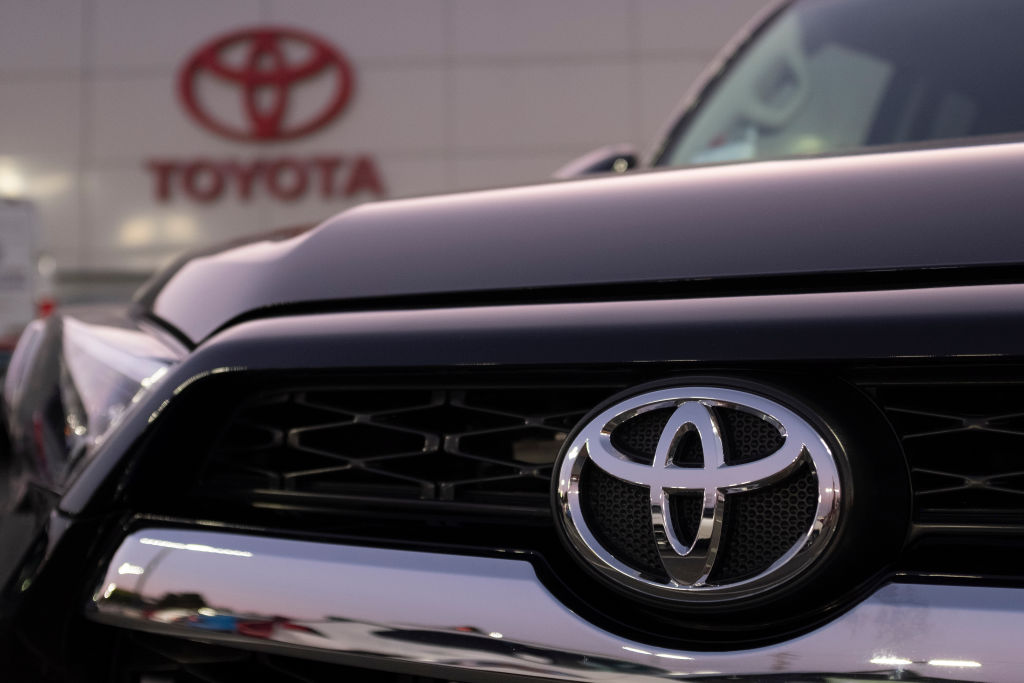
x,y
828,76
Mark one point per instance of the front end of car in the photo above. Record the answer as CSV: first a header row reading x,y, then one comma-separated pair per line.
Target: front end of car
x,y
792,476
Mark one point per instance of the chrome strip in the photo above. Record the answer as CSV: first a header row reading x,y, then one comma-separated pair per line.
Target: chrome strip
x,y
494,615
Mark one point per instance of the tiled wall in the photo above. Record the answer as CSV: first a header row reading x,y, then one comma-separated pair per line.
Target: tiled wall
x,y
451,94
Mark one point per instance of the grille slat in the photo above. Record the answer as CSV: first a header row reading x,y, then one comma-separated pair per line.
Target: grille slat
x,y
964,443
478,445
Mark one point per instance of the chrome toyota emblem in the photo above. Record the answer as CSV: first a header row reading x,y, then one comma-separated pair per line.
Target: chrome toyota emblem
x,y
712,493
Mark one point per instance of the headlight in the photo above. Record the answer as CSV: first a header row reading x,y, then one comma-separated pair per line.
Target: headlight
x,y
104,369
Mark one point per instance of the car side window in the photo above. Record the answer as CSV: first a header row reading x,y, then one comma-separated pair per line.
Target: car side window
x,y
820,80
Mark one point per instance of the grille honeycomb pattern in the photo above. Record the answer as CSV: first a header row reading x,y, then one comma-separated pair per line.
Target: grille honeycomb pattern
x,y
638,437
687,509
760,526
619,514
746,437
964,444
476,446
689,451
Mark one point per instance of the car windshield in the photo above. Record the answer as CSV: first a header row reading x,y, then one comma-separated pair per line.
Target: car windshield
x,y
834,76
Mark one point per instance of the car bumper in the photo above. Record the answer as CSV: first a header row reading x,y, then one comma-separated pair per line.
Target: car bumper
x,y
402,610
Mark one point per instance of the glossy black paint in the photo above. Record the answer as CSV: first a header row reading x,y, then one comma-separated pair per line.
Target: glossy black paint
x,y
961,325
901,210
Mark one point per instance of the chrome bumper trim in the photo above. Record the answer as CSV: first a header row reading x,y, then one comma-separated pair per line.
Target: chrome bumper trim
x,y
400,608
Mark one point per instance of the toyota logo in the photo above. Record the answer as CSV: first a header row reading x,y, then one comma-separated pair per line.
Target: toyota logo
x,y
266,66
698,493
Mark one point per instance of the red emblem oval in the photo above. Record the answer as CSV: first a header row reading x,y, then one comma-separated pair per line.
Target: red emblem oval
x,y
266,75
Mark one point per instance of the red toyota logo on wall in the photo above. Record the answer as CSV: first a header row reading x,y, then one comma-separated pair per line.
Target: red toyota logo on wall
x,y
267,66
263,85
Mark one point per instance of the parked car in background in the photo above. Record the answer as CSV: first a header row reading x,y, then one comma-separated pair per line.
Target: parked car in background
x,y
26,277
826,77
754,421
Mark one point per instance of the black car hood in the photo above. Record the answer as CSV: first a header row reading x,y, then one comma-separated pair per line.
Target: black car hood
x,y
903,210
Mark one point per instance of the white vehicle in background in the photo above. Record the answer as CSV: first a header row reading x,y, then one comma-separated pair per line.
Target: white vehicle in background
x,y
25,278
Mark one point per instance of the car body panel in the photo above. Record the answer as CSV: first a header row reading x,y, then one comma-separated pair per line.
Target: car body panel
x,y
902,210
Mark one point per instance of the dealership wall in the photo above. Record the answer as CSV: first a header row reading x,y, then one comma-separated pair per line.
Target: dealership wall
x,y
448,95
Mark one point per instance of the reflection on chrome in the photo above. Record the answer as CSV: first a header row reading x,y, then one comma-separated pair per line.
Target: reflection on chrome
x,y
494,615
194,547
955,663
891,661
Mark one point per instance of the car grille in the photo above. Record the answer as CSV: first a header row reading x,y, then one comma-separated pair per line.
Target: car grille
x,y
490,446
462,462
466,458
495,445
964,443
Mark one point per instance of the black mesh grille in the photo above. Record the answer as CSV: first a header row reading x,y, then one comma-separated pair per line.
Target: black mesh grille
x,y
689,450
619,514
760,526
638,437
964,443
746,437
687,509
481,445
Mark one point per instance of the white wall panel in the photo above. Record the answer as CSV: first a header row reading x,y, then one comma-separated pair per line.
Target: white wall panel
x,y
533,29
40,36
54,183
488,171
133,35
41,118
378,29
541,107
694,26
135,118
